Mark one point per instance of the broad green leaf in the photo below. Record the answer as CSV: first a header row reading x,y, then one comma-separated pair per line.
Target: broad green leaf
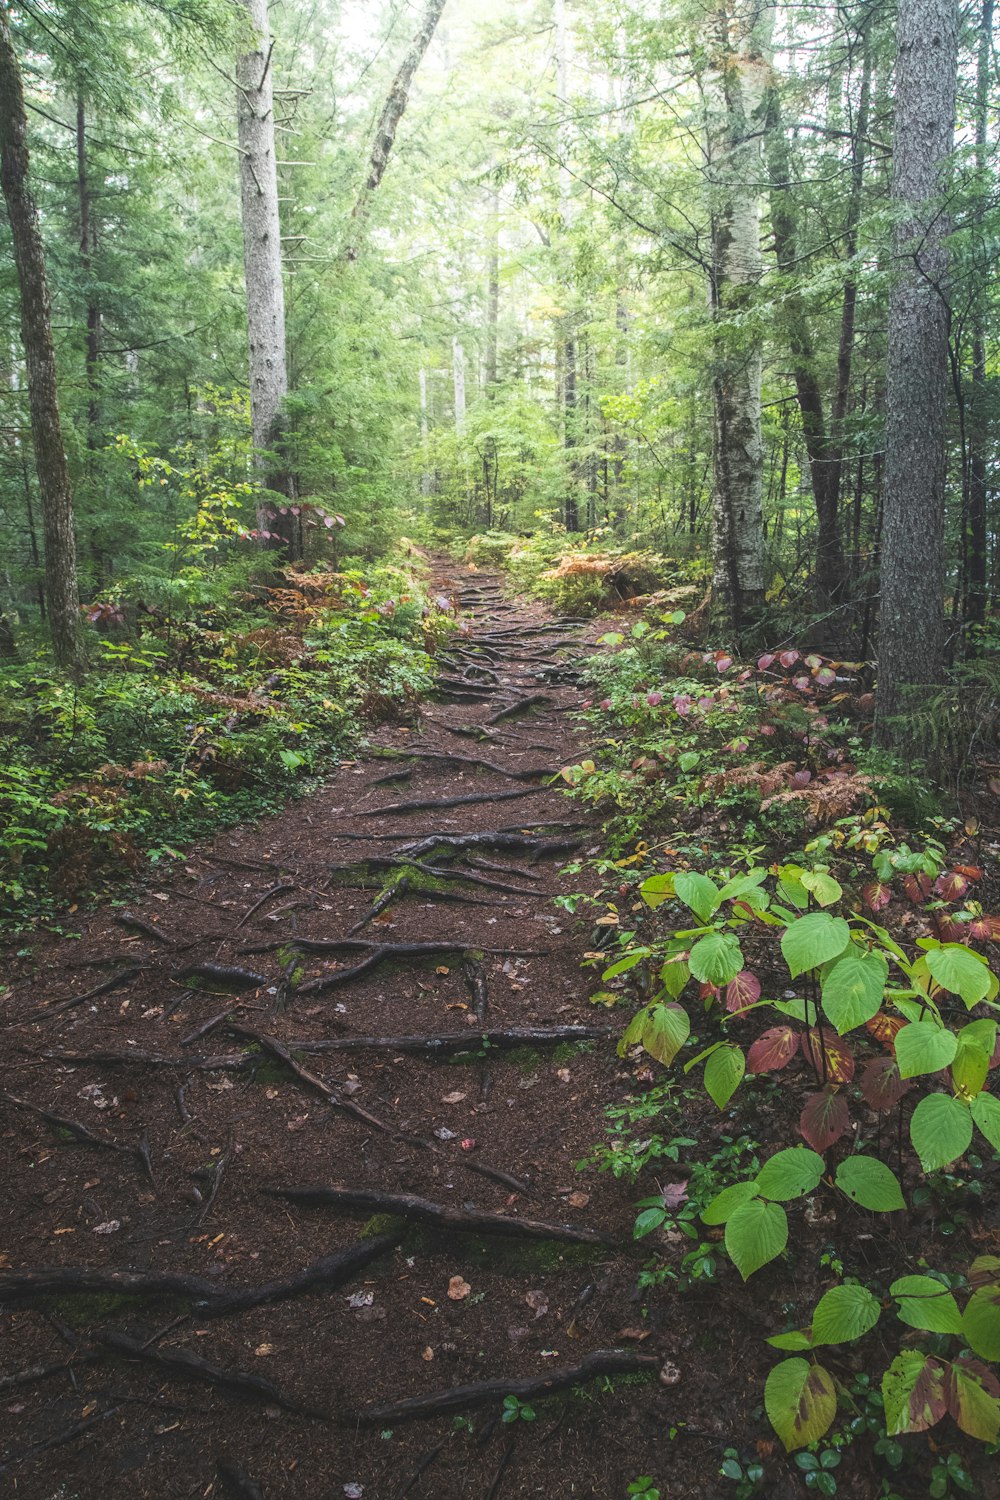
x,y
725,1204
797,1339
717,958
822,887
801,1402
870,1183
941,1130
657,889
790,1174
666,1030
958,969
813,940
981,1322
633,1031
971,1067
647,1221
674,975
622,965
724,1073
925,1303
913,1393
973,1393
698,892
986,1113
924,1047
746,888
756,1233
790,887
843,1314
853,987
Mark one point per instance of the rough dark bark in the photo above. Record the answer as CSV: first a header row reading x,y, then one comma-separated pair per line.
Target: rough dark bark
x,y
63,605
912,573
977,578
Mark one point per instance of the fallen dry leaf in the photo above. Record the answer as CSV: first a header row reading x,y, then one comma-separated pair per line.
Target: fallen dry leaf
x,y
455,1098
578,1199
458,1289
428,1354
263,1349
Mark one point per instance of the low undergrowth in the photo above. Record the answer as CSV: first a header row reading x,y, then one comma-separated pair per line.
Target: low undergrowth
x,y
202,712
806,943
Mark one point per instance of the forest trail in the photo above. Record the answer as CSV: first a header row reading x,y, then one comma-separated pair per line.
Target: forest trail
x,y
188,1080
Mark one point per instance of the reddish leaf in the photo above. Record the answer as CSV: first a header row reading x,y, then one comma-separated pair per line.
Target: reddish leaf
x,y
824,1119
966,1384
917,887
742,991
839,1060
884,1027
825,676
800,779
971,872
708,991
674,1194
877,895
928,1402
881,1084
763,662
788,658
951,885
985,929
948,930
774,1049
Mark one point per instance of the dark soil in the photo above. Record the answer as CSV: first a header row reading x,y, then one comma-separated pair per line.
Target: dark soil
x,y
172,1394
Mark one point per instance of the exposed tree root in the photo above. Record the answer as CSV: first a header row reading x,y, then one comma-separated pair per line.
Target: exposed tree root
x,y
450,1043
277,889
387,897
522,706
206,1297
431,804
442,1216
486,1392
179,1364
227,974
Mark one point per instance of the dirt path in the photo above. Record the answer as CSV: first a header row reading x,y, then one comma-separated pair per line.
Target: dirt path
x,y
160,1126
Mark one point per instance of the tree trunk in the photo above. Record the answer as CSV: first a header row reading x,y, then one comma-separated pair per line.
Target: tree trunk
x,y
824,475
492,299
36,333
388,121
978,563
912,570
735,97
262,260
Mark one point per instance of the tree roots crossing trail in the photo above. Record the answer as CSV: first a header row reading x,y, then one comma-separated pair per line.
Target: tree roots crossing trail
x,y
293,1136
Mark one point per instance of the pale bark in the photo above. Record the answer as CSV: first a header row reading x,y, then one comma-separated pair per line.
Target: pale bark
x,y
388,121
426,477
978,561
736,93
262,246
492,300
36,334
912,571
566,356
458,381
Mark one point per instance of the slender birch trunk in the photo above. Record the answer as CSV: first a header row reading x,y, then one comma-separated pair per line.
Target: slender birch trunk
x,y
736,109
912,573
265,292
978,560
36,335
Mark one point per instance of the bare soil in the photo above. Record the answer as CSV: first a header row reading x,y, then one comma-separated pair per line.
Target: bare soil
x,y
169,1394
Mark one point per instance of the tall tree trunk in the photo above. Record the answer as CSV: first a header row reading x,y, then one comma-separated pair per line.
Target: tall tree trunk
x,y
492,299
912,569
36,334
388,121
426,477
824,476
568,351
88,242
265,291
736,99
978,563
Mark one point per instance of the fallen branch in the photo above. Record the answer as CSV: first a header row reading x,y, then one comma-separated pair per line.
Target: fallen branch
x,y
485,1392
477,763
441,1216
139,924
277,889
522,706
116,981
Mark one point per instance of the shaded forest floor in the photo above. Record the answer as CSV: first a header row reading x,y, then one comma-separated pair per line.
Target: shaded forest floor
x,y
187,1081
